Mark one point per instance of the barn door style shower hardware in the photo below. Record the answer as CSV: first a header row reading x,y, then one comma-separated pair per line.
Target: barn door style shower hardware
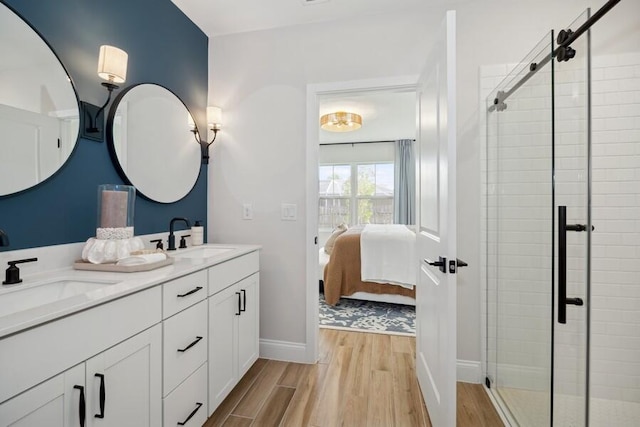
x,y
563,227
562,53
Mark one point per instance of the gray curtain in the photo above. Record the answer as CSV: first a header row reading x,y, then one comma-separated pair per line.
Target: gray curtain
x,y
404,209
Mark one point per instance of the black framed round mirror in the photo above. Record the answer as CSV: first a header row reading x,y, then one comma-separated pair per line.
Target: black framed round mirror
x,y
151,142
39,112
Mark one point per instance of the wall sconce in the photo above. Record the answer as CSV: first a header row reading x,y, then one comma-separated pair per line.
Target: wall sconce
x,y
214,124
341,121
112,67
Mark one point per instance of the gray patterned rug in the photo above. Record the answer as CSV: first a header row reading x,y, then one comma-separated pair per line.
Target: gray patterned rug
x,y
368,316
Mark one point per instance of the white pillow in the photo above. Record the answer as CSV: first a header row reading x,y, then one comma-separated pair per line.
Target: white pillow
x,y
331,241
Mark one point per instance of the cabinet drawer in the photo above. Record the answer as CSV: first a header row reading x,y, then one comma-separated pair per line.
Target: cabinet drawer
x,y
183,292
188,401
185,344
223,275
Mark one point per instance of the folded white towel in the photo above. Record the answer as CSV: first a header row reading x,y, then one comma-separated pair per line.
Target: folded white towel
x,y
142,259
387,255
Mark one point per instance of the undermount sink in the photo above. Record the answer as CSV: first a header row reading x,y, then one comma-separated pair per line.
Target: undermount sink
x,y
22,297
201,252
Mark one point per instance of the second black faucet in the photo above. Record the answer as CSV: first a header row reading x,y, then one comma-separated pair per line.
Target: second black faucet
x,y
172,237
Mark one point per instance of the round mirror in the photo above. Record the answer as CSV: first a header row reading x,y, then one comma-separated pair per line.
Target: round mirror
x,y
151,141
39,117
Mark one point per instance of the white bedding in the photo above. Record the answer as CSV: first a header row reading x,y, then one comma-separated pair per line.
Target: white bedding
x,y
323,259
387,254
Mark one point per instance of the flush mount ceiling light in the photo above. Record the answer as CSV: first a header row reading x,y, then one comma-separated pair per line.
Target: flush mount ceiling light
x,y
341,121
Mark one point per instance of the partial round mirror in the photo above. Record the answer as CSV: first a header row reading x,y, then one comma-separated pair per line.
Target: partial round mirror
x,y
39,117
151,141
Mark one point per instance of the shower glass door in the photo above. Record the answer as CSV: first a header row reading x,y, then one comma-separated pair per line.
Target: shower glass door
x,y
572,231
537,236
520,239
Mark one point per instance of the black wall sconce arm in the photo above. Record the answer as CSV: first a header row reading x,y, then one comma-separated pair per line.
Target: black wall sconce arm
x,y
204,145
93,126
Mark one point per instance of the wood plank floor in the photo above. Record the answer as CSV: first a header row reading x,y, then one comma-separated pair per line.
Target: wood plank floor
x,y
360,380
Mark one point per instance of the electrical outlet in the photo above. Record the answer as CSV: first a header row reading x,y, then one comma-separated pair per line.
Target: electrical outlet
x,y
247,211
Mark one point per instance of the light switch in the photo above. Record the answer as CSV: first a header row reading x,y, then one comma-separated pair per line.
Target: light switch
x,y
289,212
247,211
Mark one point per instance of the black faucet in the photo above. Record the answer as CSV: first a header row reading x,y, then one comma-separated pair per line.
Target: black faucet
x,y
172,238
4,239
13,273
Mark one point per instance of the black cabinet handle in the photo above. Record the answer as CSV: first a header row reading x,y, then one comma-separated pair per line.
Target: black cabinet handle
x,y
239,304
562,264
103,395
192,291
198,406
82,407
197,340
441,263
244,300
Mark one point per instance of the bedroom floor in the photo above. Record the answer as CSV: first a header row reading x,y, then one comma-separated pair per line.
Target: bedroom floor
x,y
361,379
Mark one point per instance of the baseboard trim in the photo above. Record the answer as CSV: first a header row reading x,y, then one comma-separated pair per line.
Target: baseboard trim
x,y
469,371
283,350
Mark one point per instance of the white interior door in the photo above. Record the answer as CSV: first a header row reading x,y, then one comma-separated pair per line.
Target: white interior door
x,y
436,290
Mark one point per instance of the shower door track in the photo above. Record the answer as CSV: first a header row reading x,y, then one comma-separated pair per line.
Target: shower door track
x,y
565,38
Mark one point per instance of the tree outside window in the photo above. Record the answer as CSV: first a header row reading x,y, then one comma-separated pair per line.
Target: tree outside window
x,y
371,203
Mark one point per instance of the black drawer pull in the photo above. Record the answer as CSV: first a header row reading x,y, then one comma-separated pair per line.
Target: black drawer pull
x,y
103,395
244,300
239,304
197,340
198,406
192,291
81,406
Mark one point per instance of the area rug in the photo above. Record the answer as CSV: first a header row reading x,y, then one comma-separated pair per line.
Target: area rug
x,y
368,316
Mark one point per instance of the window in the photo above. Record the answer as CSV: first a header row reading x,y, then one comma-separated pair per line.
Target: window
x,y
371,203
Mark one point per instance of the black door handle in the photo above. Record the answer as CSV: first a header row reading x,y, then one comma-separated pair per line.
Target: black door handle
x,y
103,395
441,263
196,341
82,407
198,406
244,300
454,265
562,264
239,304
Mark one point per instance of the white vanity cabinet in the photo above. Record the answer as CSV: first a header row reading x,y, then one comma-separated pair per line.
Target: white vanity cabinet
x,y
184,351
233,324
118,387
54,403
166,354
123,383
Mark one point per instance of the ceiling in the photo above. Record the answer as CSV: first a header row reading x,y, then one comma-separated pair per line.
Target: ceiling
x,y
386,115
220,17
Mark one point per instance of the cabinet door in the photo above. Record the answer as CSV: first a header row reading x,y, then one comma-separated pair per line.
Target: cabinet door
x,y
54,403
224,310
130,375
248,323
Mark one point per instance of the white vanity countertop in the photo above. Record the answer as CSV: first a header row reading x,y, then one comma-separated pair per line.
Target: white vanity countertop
x,y
119,285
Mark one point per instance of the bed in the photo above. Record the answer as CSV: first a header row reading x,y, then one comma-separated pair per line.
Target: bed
x,y
342,271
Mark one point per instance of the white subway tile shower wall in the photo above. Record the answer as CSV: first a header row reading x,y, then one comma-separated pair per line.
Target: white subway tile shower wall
x,y
615,302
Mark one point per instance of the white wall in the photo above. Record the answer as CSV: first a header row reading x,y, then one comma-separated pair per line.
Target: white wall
x,y
260,80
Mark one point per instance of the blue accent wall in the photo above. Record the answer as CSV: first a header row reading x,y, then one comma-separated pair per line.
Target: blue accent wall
x,y
164,47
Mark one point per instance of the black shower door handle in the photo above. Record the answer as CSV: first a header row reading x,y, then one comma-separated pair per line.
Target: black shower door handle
x,y
562,264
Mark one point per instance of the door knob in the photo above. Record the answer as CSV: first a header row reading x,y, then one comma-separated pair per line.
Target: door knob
x,y
441,263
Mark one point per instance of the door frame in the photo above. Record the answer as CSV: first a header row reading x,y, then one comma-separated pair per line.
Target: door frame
x,y
312,149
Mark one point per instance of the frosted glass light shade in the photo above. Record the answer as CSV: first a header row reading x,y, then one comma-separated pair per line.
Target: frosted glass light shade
x,y
112,64
214,117
341,121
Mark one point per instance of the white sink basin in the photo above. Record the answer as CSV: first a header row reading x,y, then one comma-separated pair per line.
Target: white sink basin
x,y
22,297
202,252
